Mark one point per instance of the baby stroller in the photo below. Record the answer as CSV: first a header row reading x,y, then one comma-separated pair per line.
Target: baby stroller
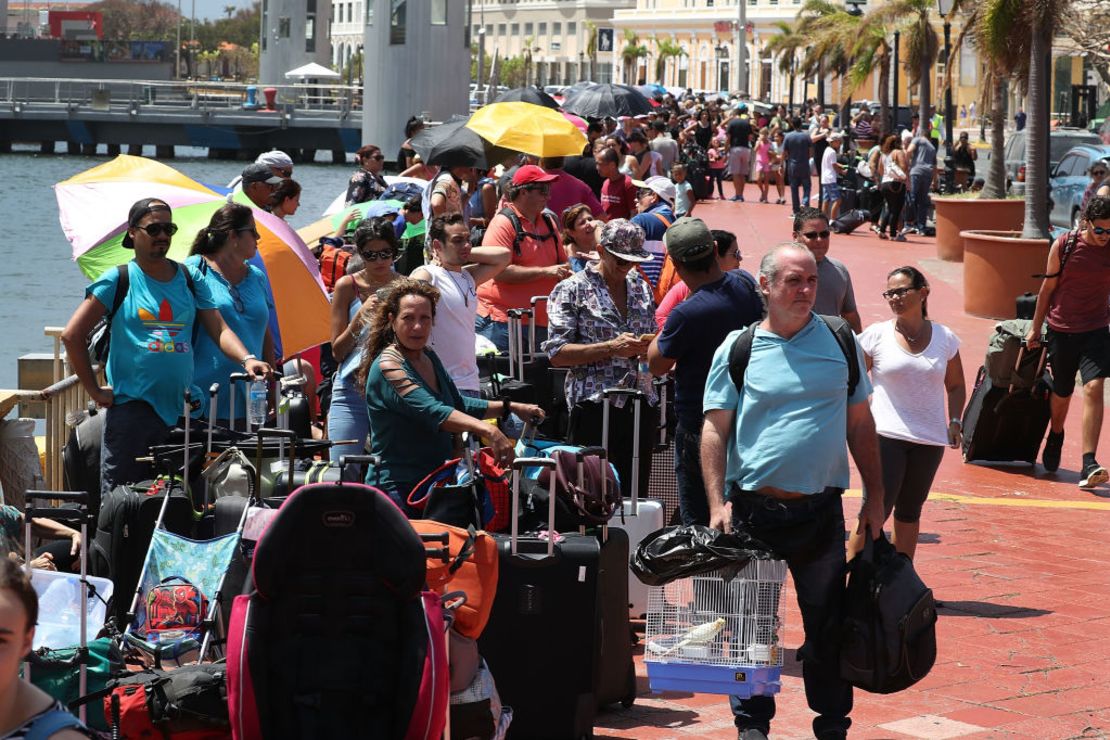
x,y
697,170
337,637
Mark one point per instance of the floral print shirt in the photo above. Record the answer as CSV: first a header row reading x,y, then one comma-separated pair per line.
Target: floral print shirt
x,y
364,186
580,310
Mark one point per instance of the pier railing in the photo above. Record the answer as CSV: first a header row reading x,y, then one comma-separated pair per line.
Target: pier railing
x,y
75,93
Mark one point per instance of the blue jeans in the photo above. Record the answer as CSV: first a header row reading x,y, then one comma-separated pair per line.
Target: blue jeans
x,y
917,204
800,179
347,419
498,332
693,505
809,534
130,429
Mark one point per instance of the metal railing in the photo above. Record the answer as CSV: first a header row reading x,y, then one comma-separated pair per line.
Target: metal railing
x,y
178,94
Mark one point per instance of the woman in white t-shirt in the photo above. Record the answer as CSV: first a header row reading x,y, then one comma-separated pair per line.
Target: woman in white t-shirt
x,y
918,398
456,271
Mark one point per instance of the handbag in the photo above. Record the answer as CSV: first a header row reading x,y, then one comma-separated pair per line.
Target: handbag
x,y
175,604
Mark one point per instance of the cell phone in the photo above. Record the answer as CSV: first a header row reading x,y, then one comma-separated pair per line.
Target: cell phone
x,y
646,337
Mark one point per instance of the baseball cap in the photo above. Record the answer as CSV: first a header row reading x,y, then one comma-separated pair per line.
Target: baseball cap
x,y
659,185
275,158
688,239
624,239
531,173
258,172
139,209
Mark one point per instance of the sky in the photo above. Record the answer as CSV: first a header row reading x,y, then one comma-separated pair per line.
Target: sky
x,y
208,8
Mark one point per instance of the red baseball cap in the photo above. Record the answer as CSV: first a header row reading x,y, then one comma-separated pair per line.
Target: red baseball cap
x,y
531,173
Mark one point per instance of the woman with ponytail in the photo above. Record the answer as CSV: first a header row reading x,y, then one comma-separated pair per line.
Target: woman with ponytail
x,y
242,294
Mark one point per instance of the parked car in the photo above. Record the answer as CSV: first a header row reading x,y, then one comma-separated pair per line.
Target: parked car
x,y
1060,141
1069,180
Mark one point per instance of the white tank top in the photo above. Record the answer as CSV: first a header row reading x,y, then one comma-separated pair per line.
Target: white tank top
x,y
453,333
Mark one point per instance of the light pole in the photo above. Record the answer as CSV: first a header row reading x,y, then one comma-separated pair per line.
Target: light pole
x,y
742,47
945,9
894,71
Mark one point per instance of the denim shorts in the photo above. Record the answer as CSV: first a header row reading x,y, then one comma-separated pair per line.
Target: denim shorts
x,y
830,192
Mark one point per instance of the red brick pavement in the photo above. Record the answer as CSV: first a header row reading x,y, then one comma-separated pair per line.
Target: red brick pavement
x,y
1016,555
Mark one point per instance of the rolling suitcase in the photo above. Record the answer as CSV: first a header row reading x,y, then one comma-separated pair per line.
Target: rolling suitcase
x,y
849,221
1026,306
547,596
663,486
637,517
615,677
1006,424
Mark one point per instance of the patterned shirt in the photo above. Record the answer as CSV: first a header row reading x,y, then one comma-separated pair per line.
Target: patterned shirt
x,y
364,186
580,310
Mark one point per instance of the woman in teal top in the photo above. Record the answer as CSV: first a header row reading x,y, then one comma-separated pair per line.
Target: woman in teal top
x,y
414,407
241,293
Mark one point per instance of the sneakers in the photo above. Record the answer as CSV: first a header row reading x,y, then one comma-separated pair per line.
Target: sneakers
x,y
1050,458
751,734
1093,475
900,238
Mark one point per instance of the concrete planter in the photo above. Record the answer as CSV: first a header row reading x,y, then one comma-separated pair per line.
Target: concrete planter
x,y
960,214
998,267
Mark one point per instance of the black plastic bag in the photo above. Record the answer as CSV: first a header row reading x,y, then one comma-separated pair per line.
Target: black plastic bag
x,y
679,552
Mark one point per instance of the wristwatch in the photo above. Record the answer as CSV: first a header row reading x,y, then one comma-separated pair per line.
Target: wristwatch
x,y
958,422
243,361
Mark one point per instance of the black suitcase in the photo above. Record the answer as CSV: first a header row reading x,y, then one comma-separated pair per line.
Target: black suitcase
x,y
546,597
849,221
1026,306
615,680
1005,424
81,458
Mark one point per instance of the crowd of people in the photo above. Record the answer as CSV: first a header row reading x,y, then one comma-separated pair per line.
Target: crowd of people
x,y
635,287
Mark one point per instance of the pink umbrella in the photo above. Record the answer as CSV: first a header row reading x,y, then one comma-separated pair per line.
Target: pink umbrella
x,y
579,123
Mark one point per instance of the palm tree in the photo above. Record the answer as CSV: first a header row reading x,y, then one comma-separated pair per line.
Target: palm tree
x,y
870,51
912,18
784,47
665,49
632,52
230,10
591,47
831,32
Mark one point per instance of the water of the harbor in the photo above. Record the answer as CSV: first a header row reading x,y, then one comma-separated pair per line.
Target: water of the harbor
x,y
40,284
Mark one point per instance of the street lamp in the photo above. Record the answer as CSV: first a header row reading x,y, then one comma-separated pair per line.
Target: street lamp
x,y
945,9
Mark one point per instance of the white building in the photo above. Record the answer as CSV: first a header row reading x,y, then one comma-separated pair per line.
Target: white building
x,y
294,33
556,31
347,23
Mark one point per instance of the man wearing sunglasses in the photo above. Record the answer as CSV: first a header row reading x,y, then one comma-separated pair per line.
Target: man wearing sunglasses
x,y
1073,300
835,296
151,357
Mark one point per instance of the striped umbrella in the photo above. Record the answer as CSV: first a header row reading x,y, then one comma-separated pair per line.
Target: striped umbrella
x,y
93,206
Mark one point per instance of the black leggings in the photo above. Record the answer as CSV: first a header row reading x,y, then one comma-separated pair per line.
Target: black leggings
x,y
718,176
908,472
894,193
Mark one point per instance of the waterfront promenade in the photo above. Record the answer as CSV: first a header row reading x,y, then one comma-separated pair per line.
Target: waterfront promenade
x,y
1017,556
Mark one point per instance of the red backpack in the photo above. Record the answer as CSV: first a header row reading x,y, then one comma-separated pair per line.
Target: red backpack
x,y
333,265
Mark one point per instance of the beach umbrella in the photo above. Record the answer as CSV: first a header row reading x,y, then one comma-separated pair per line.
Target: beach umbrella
x,y
527,128
312,71
93,206
579,123
610,100
452,144
652,89
527,95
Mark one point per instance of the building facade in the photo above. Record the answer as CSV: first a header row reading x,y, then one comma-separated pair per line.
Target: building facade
x,y
348,19
554,33
293,33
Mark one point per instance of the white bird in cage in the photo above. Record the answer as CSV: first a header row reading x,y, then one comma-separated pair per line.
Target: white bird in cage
x,y
699,635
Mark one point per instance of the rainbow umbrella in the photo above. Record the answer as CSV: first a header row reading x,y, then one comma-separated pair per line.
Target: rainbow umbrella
x,y
93,205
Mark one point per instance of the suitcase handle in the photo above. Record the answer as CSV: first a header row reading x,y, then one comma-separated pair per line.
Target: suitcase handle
x,y
519,465
637,397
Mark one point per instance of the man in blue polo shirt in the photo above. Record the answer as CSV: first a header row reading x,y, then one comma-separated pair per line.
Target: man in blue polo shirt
x,y
775,466
655,203
719,302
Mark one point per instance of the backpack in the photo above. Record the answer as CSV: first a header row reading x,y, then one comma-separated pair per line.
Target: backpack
x,y
594,501
333,265
1003,349
187,703
518,227
741,352
100,338
175,604
471,567
1066,248
888,639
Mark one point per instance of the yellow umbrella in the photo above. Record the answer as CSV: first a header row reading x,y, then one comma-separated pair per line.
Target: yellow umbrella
x,y
528,128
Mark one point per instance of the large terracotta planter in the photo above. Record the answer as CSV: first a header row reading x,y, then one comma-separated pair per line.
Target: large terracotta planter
x,y
960,214
998,267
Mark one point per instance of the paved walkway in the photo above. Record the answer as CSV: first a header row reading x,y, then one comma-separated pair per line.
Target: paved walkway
x,y
1017,556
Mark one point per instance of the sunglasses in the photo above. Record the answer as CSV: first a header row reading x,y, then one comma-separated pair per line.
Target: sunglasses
x,y
236,299
376,157
158,228
1099,231
1098,173
811,235
250,231
896,292
385,254
543,189
283,172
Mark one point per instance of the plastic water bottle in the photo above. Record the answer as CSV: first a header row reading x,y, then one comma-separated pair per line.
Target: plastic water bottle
x,y
256,403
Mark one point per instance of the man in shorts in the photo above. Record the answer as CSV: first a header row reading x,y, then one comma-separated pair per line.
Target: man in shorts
x,y
831,170
1074,300
739,150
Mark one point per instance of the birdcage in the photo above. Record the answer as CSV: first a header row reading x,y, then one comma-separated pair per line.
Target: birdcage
x,y
714,635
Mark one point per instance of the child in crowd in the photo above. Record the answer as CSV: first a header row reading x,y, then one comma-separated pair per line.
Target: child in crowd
x,y
718,158
684,200
763,162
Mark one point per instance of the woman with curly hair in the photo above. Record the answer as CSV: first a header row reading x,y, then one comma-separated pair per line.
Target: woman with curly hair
x,y
413,406
580,235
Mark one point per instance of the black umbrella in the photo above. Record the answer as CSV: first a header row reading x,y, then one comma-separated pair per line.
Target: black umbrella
x,y
527,95
609,100
452,144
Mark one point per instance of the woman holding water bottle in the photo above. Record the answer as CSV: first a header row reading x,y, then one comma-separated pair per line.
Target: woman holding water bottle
x,y
242,295
351,305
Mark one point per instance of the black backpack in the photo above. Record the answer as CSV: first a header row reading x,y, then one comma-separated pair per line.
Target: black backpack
x,y
741,352
889,621
100,338
518,227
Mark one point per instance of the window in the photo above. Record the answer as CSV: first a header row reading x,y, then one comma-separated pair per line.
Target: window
x,y
969,67
310,33
514,29
528,29
397,22
369,12
557,29
572,28
284,26
542,30
439,12
501,29
489,30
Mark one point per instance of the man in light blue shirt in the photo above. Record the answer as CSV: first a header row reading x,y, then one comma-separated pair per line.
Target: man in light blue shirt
x,y
777,447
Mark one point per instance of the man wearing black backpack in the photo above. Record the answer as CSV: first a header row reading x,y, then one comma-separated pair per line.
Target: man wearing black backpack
x,y
777,401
